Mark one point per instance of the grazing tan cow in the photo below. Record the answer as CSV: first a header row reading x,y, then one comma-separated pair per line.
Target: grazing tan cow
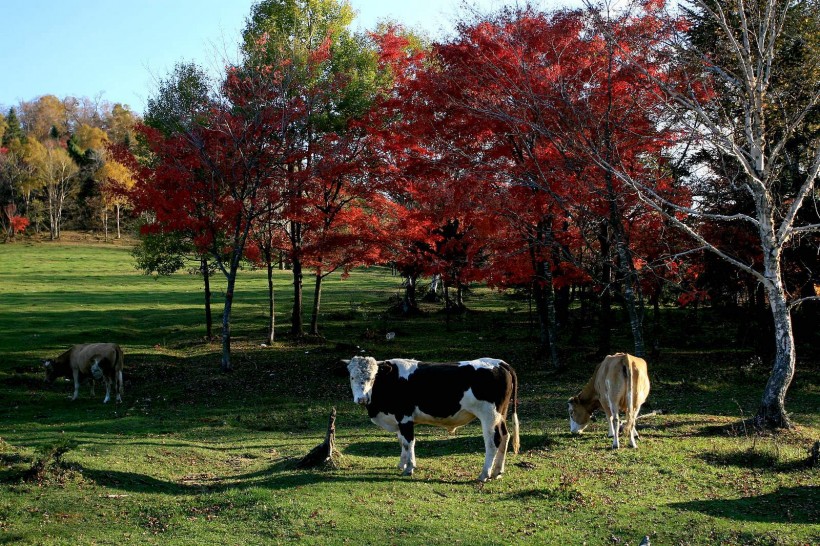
x,y
98,360
620,383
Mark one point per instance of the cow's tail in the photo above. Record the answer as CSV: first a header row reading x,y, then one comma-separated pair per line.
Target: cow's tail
x,y
630,396
118,365
516,442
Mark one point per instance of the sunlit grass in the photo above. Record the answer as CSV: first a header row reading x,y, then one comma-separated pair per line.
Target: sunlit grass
x,y
197,457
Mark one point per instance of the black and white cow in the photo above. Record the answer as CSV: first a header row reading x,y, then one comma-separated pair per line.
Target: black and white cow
x,y
401,393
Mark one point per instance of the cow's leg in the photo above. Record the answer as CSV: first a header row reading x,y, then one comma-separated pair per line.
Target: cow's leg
x,y
403,459
611,411
76,373
501,439
633,429
490,448
119,386
108,382
408,446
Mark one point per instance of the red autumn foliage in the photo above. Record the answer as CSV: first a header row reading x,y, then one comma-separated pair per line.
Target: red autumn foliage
x,y
18,224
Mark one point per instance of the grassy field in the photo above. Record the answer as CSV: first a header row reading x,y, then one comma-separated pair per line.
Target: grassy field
x,y
193,456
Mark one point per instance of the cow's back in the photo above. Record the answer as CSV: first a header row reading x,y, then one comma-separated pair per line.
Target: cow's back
x,y
611,379
437,389
640,378
83,356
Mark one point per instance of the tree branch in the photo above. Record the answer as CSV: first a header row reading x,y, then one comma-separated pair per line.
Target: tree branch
x,y
796,303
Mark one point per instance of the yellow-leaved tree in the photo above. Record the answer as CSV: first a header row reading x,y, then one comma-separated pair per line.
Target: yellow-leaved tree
x,y
115,178
56,172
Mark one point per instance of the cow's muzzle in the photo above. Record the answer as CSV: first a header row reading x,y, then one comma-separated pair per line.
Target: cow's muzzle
x,y
362,400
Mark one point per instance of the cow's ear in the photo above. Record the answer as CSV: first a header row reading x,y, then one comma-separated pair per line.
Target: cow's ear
x,y
345,361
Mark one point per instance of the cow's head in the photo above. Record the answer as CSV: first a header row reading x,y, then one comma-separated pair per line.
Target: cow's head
x,y
579,416
363,370
51,372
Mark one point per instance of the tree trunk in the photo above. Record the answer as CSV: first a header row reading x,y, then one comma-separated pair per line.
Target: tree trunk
x,y
105,224
628,277
296,315
656,322
410,303
605,299
206,276
119,234
459,304
432,292
544,297
271,313
52,219
562,299
631,302
226,365
317,296
543,291
772,411
58,220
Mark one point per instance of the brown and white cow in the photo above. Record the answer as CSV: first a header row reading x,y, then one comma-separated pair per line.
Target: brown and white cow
x,y
97,360
620,383
400,393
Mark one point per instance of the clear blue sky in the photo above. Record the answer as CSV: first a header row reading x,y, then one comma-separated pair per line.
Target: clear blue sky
x,y
117,49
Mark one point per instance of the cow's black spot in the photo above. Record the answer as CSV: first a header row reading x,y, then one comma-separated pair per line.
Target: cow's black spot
x,y
436,389
406,431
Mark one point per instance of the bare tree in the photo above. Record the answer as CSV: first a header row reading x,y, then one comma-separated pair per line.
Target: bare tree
x,y
747,133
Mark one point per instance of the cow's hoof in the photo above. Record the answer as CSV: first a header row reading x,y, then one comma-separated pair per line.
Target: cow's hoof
x,y
407,472
483,478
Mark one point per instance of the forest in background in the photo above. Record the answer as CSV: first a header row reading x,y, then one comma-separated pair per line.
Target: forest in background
x,y
56,168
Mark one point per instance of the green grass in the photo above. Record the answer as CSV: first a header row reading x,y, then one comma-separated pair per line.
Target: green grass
x,y
197,457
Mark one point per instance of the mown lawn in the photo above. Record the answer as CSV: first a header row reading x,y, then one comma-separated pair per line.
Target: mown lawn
x,y
194,456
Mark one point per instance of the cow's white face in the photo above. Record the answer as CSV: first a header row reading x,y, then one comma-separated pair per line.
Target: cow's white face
x,y
48,366
363,370
578,417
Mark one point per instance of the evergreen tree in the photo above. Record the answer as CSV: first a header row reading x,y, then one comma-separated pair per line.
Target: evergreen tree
x,y
13,130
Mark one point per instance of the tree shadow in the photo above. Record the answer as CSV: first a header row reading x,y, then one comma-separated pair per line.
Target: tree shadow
x,y
547,494
786,505
278,476
753,459
426,447
437,447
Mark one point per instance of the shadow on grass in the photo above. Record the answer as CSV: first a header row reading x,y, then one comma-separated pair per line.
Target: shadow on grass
x,y
425,447
556,494
279,476
753,459
437,447
786,505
